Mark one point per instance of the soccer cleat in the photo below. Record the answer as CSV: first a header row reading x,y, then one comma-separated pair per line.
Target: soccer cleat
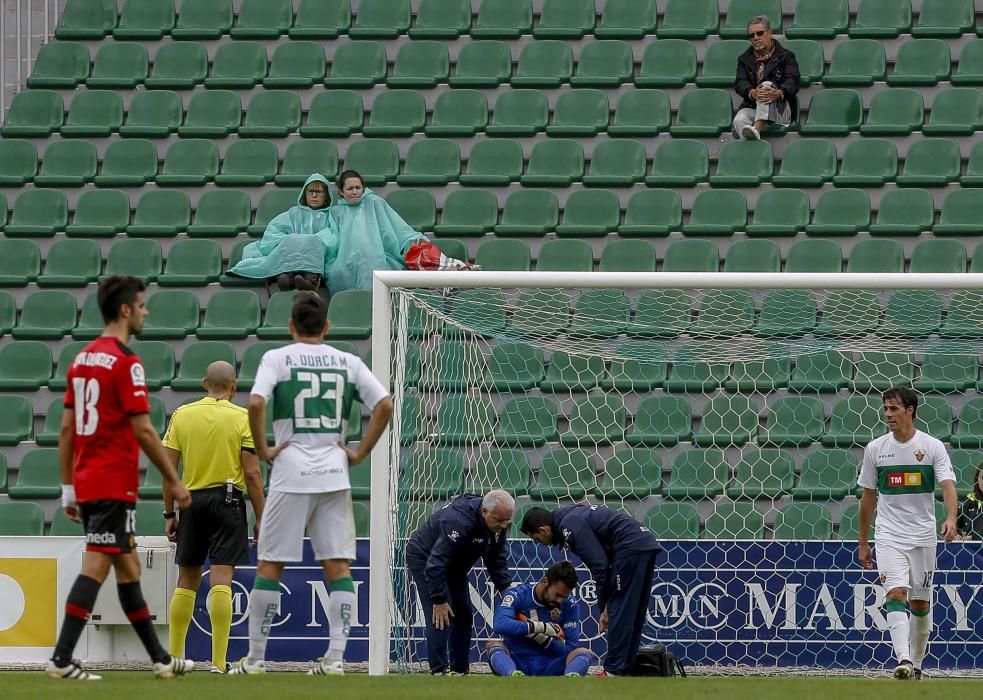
x,y
325,668
175,667
454,674
918,674
573,675
517,674
905,671
242,667
72,671
216,669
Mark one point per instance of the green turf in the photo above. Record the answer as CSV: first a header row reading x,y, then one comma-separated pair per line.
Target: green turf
x,y
129,685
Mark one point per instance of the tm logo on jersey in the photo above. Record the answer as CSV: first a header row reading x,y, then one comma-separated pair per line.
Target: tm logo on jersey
x,y
904,479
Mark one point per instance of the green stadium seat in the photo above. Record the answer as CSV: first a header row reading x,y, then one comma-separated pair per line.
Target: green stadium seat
x,y
734,521
479,308
514,367
842,212
565,473
237,65
160,213
819,19
826,474
34,114
661,313
60,64
25,365
921,62
222,213
100,214
529,213
703,113
806,163
39,476
459,113
821,372
626,19
912,314
603,63
192,263
966,464
788,313
420,64
876,255
616,163
527,421
67,164
87,19
949,18
205,19
443,469
763,473
464,420
833,112
970,68
18,164
383,19
119,66
469,212
561,255
640,113
759,375
145,21
507,19
334,113
935,417
667,63
58,382
849,313
21,520
441,19
376,159
631,473
482,64
698,474
250,362
793,421
778,212
894,112
431,161
812,63
493,162
677,521
304,157
455,366
276,319
969,431
567,19
358,64
271,113
850,521
868,162
689,19
189,163
554,163
572,373
719,62
679,163
38,213
628,256
938,255
973,177
854,421
717,213
929,163
126,163
270,204
62,526
317,19
661,421
350,314
724,313
149,518
47,315
743,163
157,357
499,468
195,360
740,10
814,256
521,112
504,254
173,314
71,263
296,64
882,19
416,207
634,374
691,256
579,113
16,421
153,114
753,256
90,323
212,114
955,111
20,264
601,313
963,316
804,521
945,372
728,419
856,62
263,19
652,212
250,162
961,215
879,371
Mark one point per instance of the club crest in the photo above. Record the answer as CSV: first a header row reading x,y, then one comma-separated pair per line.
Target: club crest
x,y
919,455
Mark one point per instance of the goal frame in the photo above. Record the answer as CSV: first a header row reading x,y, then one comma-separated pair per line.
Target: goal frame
x,y
383,479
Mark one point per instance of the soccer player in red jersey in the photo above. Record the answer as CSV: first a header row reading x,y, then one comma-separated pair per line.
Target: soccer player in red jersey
x,y
106,422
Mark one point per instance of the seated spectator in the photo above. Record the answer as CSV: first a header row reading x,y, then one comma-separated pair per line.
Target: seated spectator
x,y
369,235
767,82
291,251
970,523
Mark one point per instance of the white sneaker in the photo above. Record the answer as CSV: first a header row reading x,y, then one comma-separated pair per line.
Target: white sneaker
x,y
750,133
73,671
243,668
327,668
176,667
216,669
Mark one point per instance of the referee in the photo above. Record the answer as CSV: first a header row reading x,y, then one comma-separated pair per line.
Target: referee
x,y
212,437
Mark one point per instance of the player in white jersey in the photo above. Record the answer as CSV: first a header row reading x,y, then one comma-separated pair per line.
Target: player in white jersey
x,y
310,388
898,476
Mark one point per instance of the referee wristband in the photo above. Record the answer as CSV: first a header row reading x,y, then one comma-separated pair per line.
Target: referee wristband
x,y
171,514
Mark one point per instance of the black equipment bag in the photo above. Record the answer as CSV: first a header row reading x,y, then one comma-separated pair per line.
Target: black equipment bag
x,y
656,660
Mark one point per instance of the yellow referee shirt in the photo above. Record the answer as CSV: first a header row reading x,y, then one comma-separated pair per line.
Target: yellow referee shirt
x,y
210,434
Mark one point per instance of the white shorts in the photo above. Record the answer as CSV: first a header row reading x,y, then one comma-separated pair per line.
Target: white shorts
x,y
326,517
906,567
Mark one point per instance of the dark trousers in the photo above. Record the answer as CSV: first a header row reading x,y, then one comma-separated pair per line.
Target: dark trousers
x,y
457,637
630,590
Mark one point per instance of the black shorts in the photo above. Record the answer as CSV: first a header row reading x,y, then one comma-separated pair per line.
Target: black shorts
x,y
109,526
214,529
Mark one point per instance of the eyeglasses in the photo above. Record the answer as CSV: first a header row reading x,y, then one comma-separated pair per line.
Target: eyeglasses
x,y
316,192
754,35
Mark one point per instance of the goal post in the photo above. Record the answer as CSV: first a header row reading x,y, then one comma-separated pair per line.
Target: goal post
x,y
623,383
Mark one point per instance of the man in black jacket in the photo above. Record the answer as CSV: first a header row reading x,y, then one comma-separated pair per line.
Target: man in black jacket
x,y
767,82
440,555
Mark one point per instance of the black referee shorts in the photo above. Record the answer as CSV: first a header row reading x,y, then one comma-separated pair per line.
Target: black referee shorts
x,y
214,529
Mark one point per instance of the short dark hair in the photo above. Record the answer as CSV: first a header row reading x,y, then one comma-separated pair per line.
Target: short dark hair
x,y
563,571
908,397
114,292
308,313
345,175
536,518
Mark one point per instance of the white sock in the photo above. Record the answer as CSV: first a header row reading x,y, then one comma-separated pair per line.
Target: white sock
x,y
263,607
897,622
340,607
920,629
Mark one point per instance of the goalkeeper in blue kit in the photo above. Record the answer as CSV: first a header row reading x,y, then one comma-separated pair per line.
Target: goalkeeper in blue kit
x,y
540,628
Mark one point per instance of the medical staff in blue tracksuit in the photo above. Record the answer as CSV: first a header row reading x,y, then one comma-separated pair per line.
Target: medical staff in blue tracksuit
x,y
539,625
620,555
439,556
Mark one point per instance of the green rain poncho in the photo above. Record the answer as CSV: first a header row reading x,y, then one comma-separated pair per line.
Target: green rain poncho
x,y
370,236
294,241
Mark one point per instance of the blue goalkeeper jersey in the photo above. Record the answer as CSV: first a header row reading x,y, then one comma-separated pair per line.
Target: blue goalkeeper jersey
x,y
520,600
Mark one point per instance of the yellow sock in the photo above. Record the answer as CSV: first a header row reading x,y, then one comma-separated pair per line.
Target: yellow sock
x,y
220,613
182,608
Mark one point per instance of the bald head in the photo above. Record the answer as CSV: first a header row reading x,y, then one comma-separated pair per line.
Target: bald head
x,y
220,378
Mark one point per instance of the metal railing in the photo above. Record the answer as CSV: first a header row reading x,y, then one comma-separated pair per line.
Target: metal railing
x,y
25,26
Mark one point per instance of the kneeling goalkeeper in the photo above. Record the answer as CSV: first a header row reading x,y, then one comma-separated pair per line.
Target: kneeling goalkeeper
x,y
540,628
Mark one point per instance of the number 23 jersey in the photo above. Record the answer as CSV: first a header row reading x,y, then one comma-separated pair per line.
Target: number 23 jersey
x,y
106,385
310,390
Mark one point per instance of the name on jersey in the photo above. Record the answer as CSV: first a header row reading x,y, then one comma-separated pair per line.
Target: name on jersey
x,y
319,361
95,359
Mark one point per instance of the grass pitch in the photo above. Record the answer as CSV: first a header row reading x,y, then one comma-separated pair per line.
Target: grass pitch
x,y
201,686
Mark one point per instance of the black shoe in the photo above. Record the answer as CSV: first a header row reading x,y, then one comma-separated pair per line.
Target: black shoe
x,y
918,674
284,282
302,283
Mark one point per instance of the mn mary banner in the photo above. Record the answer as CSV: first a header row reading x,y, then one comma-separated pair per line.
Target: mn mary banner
x,y
717,603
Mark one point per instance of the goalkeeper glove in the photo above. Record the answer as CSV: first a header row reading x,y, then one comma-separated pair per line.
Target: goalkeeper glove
x,y
542,632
